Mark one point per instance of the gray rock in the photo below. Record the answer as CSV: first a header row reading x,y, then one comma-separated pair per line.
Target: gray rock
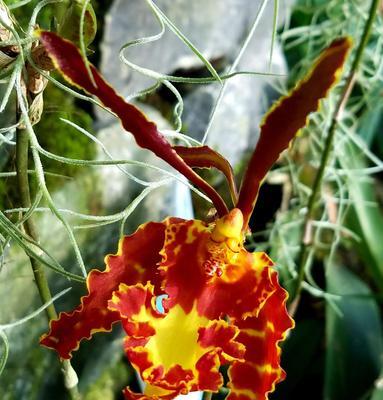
x,y
237,118
217,28
204,22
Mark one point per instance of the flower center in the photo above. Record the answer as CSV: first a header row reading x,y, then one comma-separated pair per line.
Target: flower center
x,y
225,243
176,339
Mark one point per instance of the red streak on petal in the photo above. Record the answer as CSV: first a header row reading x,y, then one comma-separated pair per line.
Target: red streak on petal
x,y
182,264
209,377
220,335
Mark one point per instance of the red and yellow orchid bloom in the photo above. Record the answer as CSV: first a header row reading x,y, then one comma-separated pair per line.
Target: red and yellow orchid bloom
x,y
220,304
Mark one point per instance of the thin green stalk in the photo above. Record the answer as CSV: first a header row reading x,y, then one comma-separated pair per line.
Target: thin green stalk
x,y
207,396
307,225
41,281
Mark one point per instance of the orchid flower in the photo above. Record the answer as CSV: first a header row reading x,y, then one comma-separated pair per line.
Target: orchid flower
x,y
220,304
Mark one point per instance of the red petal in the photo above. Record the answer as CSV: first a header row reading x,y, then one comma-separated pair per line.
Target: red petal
x,y
136,261
209,377
219,335
254,378
205,157
242,288
67,58
287,117
244,293
183,254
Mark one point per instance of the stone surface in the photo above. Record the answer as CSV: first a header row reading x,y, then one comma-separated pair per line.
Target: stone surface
x,y
217,28
204,22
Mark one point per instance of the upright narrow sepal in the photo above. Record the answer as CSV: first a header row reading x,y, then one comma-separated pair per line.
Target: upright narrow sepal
x,y
287,117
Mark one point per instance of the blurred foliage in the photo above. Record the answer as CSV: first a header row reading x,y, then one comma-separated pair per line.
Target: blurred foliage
x,y
56,137
343,291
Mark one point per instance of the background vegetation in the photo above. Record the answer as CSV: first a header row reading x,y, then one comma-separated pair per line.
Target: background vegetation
x,y
335,352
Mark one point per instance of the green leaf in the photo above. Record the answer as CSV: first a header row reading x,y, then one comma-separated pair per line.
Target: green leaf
x,y
70,27
300,357
377,394
365,218
354,343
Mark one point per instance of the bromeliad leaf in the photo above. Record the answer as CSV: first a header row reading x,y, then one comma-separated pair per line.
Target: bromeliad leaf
x,y
287,117
70,26
69,61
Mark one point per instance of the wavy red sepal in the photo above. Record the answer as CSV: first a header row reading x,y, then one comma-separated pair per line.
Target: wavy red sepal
x,y
220,335
287,117
69,61
205,157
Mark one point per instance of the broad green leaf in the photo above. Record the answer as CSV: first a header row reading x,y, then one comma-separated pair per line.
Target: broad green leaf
x,y
354,344
300,357
377,394
365,218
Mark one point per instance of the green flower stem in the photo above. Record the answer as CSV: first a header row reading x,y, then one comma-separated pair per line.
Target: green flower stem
x,y
307,225
207,396
22,144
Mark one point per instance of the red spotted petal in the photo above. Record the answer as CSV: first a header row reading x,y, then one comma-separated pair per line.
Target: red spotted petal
x,y
241,287
287,117
209,378
181,348
220,335
68,59
136,305
205,157
136,261
255,377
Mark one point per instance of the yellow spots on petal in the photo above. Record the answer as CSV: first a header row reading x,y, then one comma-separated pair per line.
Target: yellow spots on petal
x,y
270,326
177,249
176,339
155,391
139,268
268,369
254,333
244,392
192,235
77,325
260,260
